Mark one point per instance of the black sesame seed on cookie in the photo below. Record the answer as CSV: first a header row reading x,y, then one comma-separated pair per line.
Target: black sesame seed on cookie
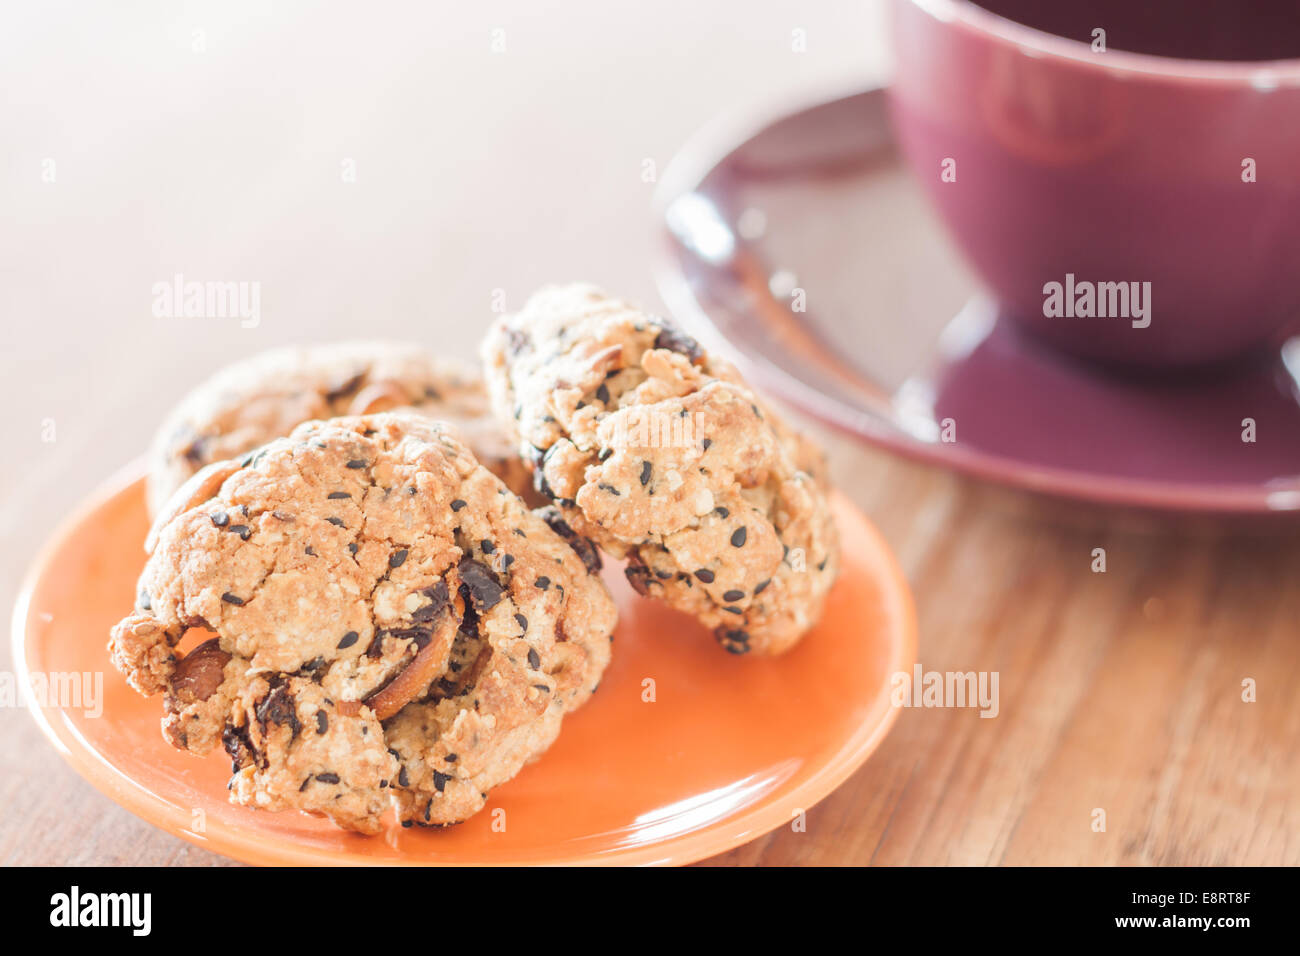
x,y
672,448
310,719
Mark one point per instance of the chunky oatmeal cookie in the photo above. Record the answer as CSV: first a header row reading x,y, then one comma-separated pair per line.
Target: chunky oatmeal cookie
x,y
247,404
379,622
662,455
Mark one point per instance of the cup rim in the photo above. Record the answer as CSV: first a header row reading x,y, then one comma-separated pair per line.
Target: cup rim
x,y
1261,75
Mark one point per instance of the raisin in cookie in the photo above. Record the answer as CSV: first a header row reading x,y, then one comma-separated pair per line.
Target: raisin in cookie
x,y
381,622
266,396
662,455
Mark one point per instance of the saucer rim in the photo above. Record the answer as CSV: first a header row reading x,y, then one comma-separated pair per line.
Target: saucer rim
x,y
227,839
706,149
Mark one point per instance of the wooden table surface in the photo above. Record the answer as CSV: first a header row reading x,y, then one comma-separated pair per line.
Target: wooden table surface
x,y
1120,691
213,140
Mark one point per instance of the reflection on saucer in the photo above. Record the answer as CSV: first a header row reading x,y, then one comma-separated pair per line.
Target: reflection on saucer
x,y
804,249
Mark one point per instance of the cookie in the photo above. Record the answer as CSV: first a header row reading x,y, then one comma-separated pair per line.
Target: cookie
x,y
662,455
266,396
375,620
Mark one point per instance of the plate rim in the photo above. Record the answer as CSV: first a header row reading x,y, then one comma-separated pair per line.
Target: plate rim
x,y
231,842
710,145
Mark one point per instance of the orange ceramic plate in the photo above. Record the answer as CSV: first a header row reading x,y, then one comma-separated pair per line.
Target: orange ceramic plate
x,y
730,748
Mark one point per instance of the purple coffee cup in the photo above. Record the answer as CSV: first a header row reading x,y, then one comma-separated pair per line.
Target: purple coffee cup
x,y
1134,209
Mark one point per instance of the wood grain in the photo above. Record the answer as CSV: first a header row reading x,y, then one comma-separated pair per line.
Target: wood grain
x,y
1119,690
479,174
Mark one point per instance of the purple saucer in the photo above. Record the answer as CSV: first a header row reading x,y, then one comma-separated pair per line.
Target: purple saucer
x,y
802,247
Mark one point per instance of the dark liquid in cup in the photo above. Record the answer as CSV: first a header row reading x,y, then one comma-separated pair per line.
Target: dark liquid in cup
x,y
1189,29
